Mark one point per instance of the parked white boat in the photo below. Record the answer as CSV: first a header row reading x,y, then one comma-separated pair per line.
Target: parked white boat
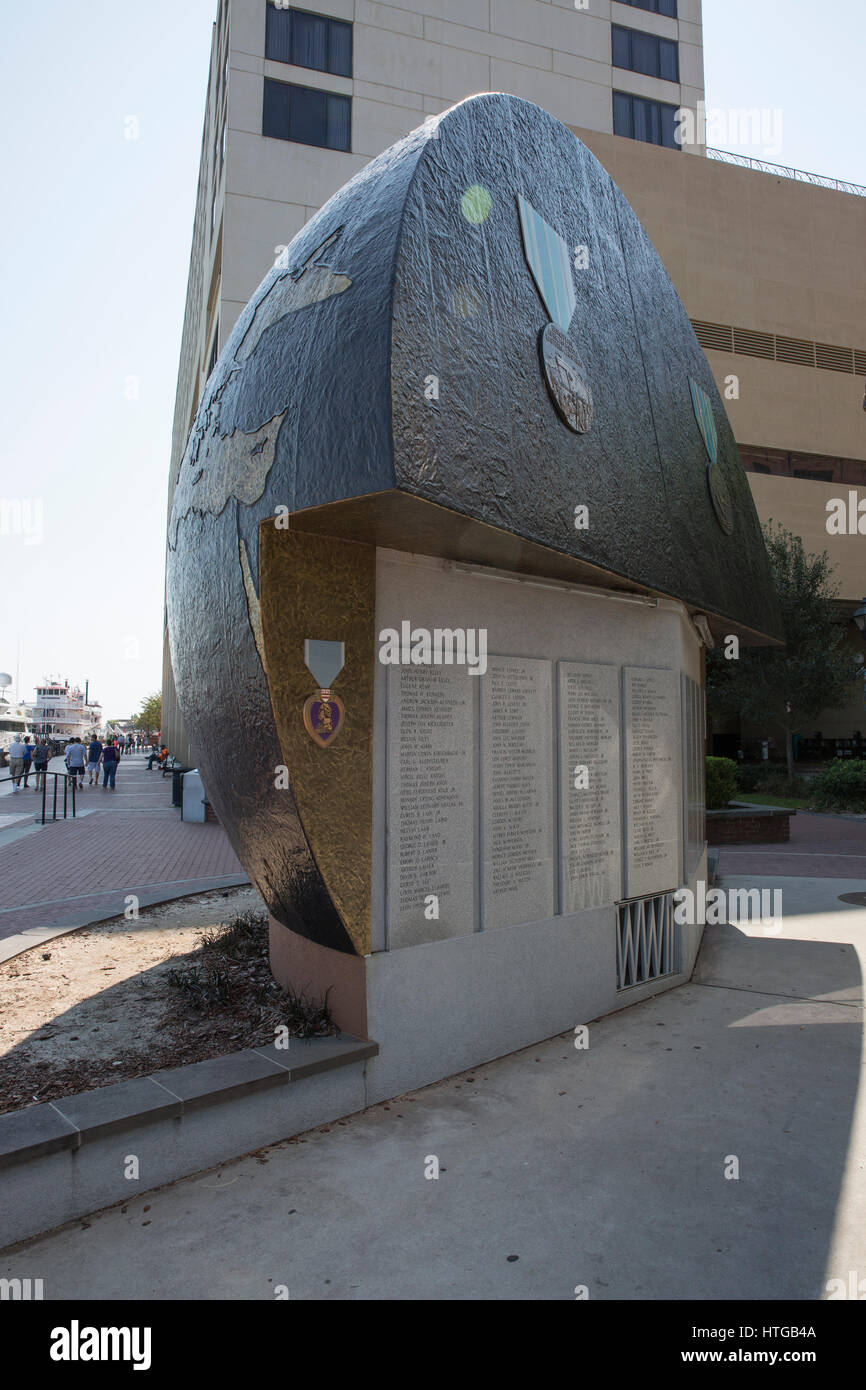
x,y
62,711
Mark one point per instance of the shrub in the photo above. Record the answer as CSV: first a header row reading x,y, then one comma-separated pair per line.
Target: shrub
x,y
245,935
840,787
230,979
771,779
783,785
202,989
721,782
750,776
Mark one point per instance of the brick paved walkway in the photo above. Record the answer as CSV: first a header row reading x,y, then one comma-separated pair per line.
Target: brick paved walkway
x,y
820,847
131,841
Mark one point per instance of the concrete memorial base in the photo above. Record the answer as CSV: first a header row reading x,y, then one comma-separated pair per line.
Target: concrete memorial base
x,y
514,809
445,1006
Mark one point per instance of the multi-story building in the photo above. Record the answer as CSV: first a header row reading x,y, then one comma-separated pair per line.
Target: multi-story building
x,y
768,265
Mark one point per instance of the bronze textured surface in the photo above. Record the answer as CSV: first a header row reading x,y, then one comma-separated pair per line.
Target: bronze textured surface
x,y
486,439
324,588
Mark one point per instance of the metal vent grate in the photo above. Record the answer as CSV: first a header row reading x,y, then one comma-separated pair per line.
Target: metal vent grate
x,y
647,940
752,344
796,350
719,337
799,352
834,359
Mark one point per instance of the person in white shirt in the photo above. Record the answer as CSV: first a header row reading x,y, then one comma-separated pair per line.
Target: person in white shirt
x,y
16,762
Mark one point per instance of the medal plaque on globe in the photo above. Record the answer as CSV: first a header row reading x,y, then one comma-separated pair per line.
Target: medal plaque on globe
x,y
324,713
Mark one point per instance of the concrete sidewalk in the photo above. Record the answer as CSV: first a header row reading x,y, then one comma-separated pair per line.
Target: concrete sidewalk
x,y
558,1168
68,874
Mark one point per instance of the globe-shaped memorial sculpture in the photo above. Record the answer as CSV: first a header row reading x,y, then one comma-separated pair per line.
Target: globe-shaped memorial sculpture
x,y
471,365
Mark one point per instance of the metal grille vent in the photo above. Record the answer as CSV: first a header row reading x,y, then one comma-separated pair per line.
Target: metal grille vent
x,y
721,337
834,359
796,350
751,344
717,336
647,940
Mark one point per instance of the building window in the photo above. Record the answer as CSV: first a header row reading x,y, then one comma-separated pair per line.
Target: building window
x,y
815,475
641,119
641,52
668,7
309,41
215,349
306,116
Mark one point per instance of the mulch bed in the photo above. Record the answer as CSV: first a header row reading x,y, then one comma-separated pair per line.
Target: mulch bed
x,y
222,999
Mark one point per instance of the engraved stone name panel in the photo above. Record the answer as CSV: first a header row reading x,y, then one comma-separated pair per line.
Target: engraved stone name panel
x,y
590,815
432,808
653,754
517,807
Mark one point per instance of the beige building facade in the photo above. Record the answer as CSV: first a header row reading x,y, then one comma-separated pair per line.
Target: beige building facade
x,y
769,268
771,272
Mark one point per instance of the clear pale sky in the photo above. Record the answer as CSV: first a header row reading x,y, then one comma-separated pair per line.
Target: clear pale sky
x,y
94,249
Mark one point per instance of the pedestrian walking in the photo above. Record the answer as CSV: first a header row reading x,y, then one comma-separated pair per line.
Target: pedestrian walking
x,y
41,754
109,758
28,758
16,762
74,755
94,751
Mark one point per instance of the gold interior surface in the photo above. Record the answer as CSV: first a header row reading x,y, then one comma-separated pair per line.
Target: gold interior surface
x,y
324,587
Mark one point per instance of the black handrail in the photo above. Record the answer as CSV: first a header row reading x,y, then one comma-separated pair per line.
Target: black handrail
x,y
67,777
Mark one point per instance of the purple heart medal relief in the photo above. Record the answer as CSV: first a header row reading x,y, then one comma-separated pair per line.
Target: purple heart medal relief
x,y
324,713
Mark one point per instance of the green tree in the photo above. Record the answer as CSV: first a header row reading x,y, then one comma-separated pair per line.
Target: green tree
x,y
789,686
149,716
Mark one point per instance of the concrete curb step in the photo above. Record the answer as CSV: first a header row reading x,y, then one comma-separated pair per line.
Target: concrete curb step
x,y
73,1156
